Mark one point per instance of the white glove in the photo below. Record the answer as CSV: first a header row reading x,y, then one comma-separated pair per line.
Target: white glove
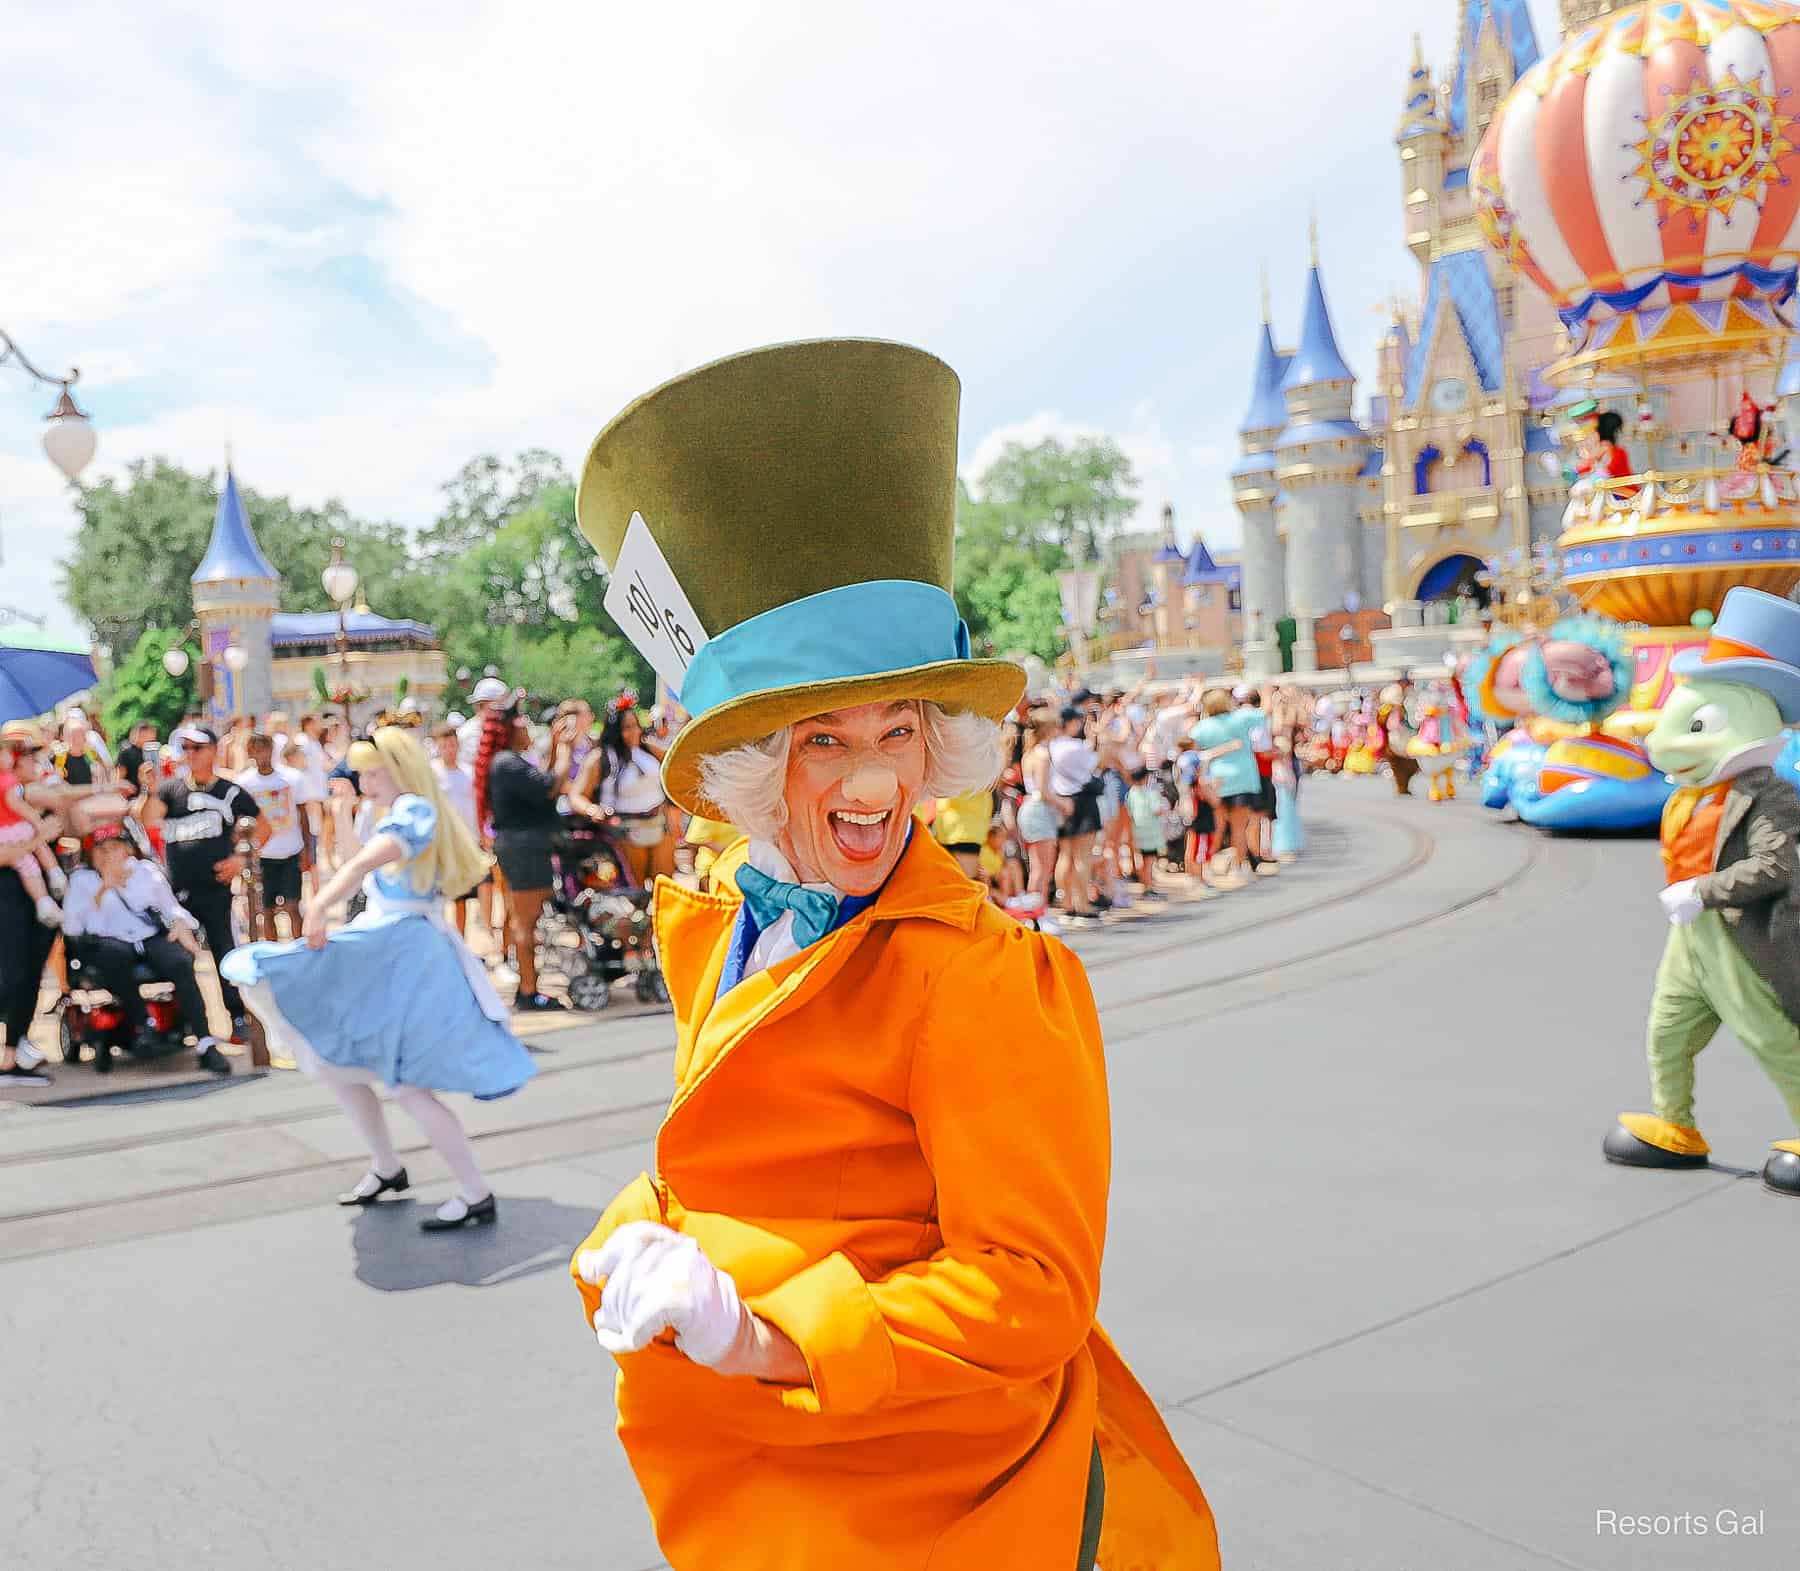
x,y
658,1280
1681,902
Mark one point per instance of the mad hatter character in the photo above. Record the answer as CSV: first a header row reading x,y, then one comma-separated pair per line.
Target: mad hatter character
x,y
1731,845
853,1307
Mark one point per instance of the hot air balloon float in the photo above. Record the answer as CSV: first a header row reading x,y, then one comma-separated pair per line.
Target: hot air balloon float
x,y
1646,177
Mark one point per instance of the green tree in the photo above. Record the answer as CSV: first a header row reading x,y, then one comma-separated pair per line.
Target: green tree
x,y
527,598
1073,497
1005,580
140,688
485,494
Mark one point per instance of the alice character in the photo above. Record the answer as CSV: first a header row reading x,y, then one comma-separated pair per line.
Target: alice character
x,y
395,998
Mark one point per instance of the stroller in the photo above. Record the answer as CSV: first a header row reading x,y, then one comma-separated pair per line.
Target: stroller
x,y
595,897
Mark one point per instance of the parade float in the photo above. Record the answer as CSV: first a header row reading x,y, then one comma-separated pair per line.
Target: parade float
x,y
1646,177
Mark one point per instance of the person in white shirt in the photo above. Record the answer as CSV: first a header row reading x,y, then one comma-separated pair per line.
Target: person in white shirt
x,y
120,913
489,693
1074,774
275,791
309,799
317,815
621,783
458,785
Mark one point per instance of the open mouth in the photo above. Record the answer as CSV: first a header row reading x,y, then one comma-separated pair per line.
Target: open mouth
x,y
860,836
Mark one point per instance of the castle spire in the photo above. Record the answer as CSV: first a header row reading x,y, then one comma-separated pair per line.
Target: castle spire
x,y
1268,411
232,553
1318,358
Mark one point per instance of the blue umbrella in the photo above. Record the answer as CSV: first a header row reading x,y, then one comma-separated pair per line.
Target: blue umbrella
x,y
34,681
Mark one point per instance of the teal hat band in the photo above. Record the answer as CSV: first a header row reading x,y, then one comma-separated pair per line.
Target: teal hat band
x,y
891,624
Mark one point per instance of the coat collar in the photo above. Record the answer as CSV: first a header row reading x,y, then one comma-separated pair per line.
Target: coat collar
x,y
693,934
1745,788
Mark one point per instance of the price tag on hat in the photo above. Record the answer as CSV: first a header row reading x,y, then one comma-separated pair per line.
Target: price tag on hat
x,y
646,599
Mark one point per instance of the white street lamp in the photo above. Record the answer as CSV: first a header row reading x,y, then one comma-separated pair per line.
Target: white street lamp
x,y
236,658
69,439
339,578
175,661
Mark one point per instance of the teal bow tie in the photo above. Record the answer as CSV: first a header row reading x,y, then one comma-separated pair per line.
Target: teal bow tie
x,y
815,910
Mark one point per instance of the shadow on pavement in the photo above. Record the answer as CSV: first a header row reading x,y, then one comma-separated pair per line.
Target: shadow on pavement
x,y
532,1234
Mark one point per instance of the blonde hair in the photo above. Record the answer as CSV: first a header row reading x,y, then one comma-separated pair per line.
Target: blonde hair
x,y
453,862
1216,701
748,784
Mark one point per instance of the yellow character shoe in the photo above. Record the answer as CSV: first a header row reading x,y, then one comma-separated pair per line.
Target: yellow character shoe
x,y
1781,1172
1644,1140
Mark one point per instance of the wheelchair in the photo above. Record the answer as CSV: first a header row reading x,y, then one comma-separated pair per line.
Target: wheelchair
x,y
90,1016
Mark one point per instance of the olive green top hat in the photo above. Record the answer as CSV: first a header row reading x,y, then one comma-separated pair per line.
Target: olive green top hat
x,y
804,496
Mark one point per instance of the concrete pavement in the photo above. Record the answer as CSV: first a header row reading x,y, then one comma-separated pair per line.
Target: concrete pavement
x,y
1362,1249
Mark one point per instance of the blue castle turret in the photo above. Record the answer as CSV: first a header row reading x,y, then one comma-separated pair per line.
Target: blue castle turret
x,y
236,591
1253,487
1319,458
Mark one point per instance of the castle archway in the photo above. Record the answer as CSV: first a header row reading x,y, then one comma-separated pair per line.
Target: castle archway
x,y
1451,577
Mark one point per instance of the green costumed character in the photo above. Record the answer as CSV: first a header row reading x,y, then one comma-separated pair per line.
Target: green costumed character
x,y
1731,846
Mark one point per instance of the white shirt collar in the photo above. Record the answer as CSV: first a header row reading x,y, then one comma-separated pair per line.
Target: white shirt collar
x,y
766,857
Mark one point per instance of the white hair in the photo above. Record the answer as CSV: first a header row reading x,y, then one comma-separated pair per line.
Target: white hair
x,y
748,784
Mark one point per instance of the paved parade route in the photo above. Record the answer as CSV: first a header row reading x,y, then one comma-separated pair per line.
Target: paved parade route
x,y
1363,1251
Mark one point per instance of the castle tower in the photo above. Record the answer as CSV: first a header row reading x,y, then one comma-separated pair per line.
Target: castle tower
x,y
1165,572
1319,457
1253,489
235,593
1422,138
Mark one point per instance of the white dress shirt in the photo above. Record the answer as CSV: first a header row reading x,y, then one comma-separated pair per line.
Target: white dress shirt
x,y
92,908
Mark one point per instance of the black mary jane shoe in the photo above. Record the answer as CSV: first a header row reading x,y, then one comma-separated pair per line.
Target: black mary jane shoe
x,y
398,1182
484,1210
537,1004
213,1061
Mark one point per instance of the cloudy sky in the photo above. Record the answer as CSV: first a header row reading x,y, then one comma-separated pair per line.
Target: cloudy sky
x,y
364,251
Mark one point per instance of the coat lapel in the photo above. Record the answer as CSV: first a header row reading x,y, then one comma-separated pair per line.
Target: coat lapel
x,y
697,939
1738,802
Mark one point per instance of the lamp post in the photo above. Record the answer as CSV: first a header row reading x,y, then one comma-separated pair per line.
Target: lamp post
x,y
340,579
69,442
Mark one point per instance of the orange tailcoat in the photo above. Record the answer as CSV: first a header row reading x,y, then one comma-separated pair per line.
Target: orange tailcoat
x,y
897,1143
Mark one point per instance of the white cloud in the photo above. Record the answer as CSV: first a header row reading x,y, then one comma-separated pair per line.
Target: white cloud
x,y
369,244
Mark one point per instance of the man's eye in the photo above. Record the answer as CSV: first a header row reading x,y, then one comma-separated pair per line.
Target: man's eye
x,y
821,740
899,730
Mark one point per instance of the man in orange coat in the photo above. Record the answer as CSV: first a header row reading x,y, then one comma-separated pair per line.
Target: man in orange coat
x,y
853,1308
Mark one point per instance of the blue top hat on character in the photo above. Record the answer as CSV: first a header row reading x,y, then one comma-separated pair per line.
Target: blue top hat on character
x,y
1755,643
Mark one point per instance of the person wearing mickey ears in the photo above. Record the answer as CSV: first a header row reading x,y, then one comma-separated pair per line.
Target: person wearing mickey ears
x,y
852,1309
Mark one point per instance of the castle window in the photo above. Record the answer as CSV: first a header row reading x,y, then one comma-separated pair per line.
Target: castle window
x,y
1488,94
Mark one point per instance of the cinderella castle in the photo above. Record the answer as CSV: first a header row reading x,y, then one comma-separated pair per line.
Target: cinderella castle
x,y
1368,531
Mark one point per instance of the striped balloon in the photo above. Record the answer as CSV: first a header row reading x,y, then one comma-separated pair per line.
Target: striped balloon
x,y
1653,159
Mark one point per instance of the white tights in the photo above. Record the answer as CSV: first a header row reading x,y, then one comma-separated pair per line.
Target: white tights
x,y
355,1093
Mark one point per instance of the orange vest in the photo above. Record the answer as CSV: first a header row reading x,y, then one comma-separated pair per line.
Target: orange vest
x,y
1690,825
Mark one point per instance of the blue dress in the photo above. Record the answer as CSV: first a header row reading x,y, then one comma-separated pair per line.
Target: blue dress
x,y
395,993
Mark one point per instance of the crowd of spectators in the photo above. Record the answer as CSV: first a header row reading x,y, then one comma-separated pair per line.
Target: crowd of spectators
x,y
197,841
